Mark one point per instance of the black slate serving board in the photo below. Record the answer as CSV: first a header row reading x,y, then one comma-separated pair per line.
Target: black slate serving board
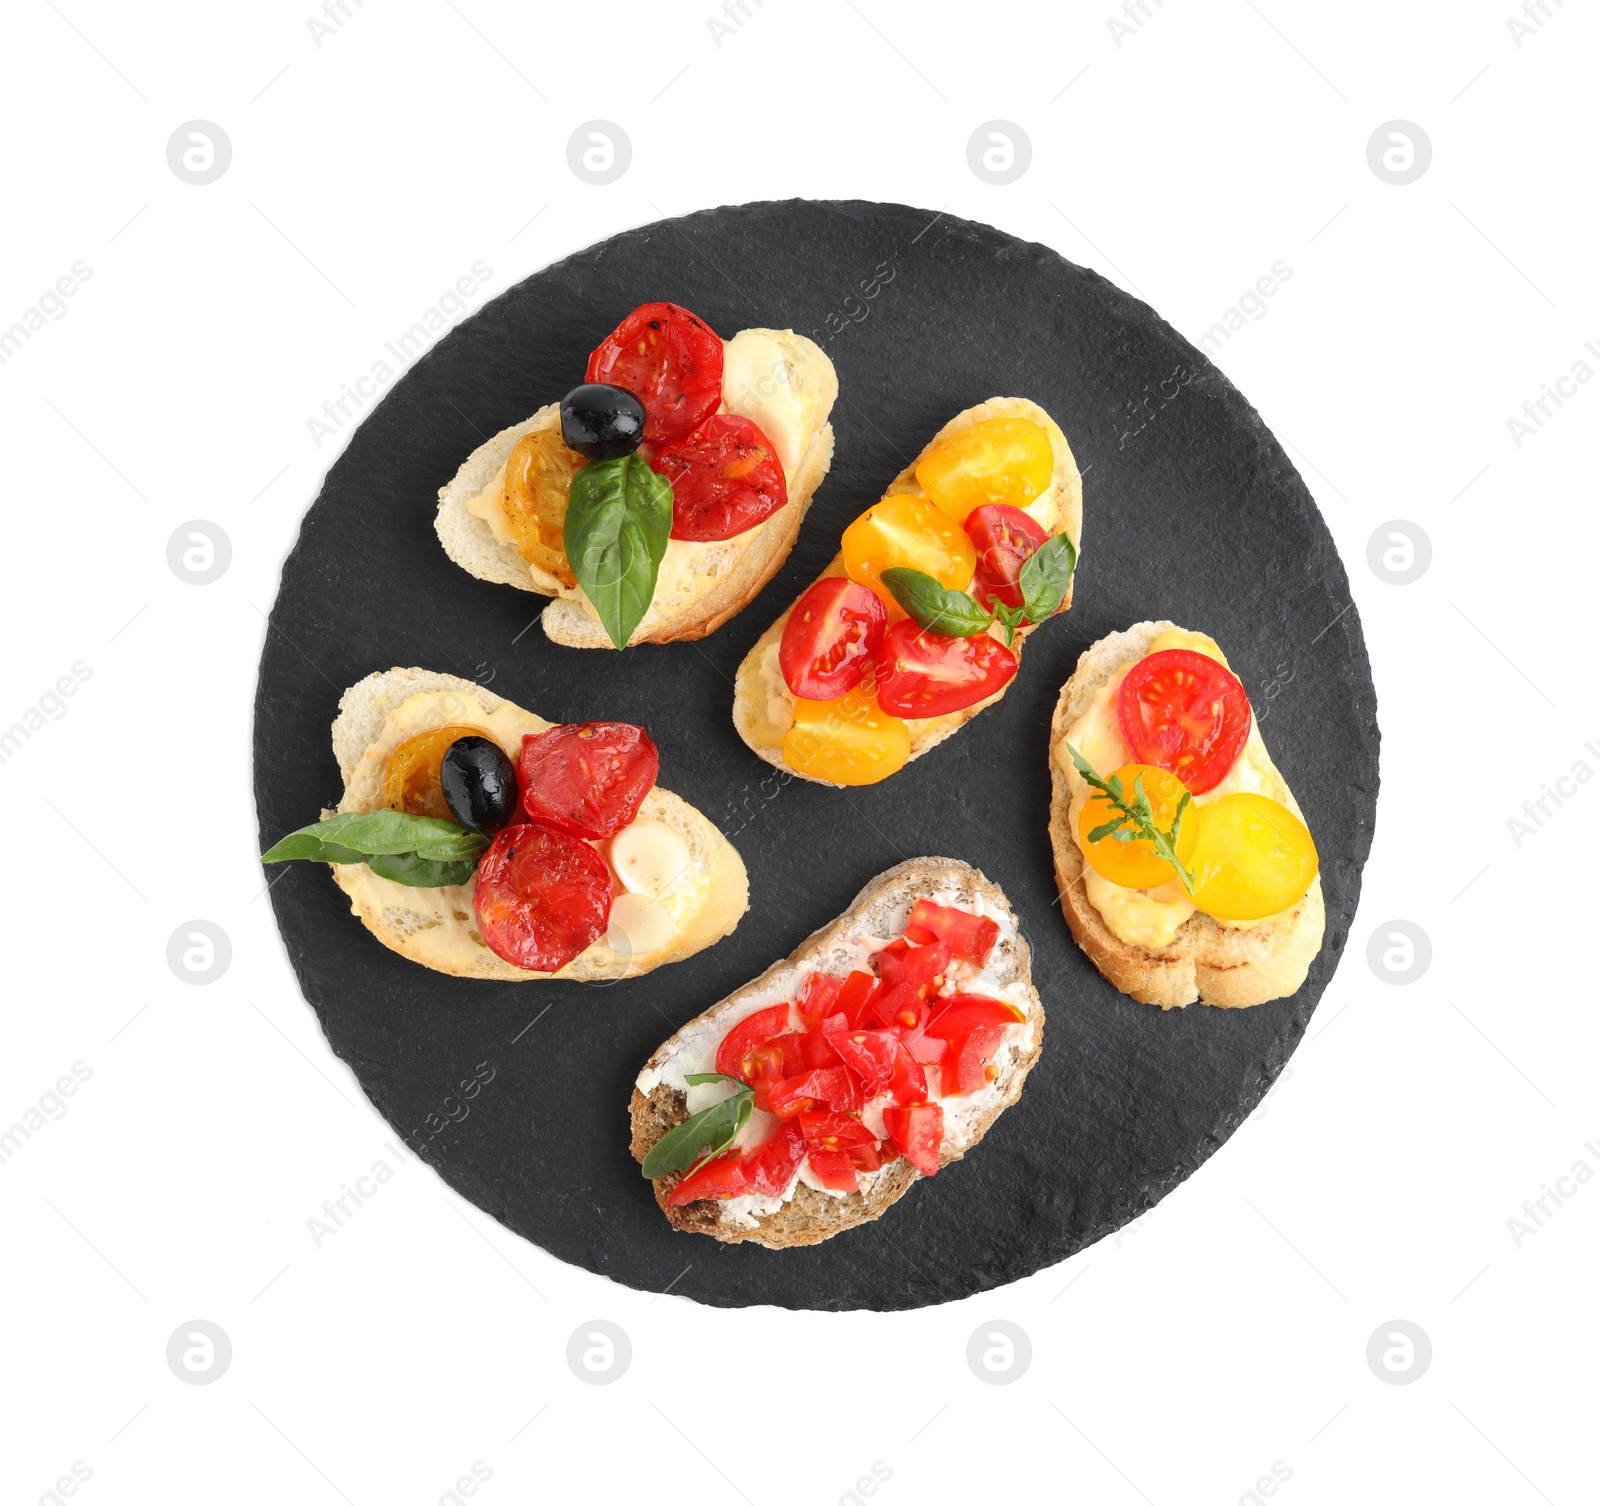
x,y
1191,511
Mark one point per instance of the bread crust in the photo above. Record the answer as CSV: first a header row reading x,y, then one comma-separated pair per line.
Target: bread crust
x,y
879,909
1226,966
749,702
471,543
364,710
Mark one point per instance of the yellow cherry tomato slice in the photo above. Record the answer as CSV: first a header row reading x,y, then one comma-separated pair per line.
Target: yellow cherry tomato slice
x,y
911,532
411,773
1136,864
1002,460
539,474
1252,857
849,740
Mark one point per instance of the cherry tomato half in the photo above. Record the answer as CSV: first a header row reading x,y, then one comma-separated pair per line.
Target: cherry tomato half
x,y
1252,858
849,739
1004,538
911,532
1001,460
542,897
725,478
922,674
1184,713
587,779
670,360
831,638
1135,864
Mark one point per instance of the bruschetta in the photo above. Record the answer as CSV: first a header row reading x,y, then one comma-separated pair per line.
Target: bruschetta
x,y
656,498
919,622
881,1049
483,841
1209,888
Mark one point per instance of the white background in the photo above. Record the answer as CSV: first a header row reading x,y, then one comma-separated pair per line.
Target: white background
x,y
1179,1361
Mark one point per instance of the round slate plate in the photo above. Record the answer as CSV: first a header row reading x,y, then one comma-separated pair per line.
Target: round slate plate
x,y
1191,511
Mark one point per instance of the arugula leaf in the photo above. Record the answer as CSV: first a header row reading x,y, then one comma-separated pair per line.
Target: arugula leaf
x,y
1045,576
935,606
416,850
701,1136
1135,818
619,518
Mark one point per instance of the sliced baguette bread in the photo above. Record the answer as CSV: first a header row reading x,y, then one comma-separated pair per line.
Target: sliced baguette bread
x,y
1231,966
810,1214
763,707
701,585
438,927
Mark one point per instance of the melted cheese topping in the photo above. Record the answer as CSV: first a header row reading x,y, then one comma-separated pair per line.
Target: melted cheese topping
x,y
1150,918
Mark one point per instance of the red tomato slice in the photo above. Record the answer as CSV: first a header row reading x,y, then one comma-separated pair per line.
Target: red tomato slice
x,y
831,638
922,674
587,779
966,935
827,1087
914,966
767,1170
870,1054
725,479
833,1169
966,1068
1185,713
854,996
834,1131
670,360
723,1176
963,1012
817,996
750,1032
916,1131
542,897
1004,538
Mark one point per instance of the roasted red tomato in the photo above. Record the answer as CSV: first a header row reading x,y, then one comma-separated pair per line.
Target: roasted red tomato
x,y
541,897
723,1176
752,1031
725,479
831,638
668,359
1004,538
922,674
914,966
767,1169
833,1169
916,1131
961,1013
1185,713
966,935
587,779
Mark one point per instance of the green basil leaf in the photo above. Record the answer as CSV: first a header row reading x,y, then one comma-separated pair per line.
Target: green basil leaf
x,y
358,835
619,518
934,606
1045,576
421,873
700,1136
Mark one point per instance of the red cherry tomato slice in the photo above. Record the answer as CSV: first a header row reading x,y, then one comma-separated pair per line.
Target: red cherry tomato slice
x,y
966,935
542,897
831,638
719,1178
962,1013
922,674
1004,538
587,779
752,1031
833,1169
768,1169
670,360
916,1131
1185,713
725,479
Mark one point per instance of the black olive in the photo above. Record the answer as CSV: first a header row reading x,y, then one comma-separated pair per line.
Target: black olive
x,y
479,783
602,422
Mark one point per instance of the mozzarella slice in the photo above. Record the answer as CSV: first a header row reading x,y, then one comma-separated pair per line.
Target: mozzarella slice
x,y
755,385
649,858
639,924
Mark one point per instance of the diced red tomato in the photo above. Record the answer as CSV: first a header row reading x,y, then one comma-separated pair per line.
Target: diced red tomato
x,y
854,995
833,1169
827,1087
817,996
894,1007
767,1170
916,1131
927,1049
750,1032
870,1054
834,1131
963,1012
965,935
915,966
835,1023
867,1157
816,1050
722,1176
967,1068
908,1084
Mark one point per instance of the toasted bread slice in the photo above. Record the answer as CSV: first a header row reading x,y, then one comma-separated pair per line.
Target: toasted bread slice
x,y
438,927
809,1214
763,708
701,585
1231,966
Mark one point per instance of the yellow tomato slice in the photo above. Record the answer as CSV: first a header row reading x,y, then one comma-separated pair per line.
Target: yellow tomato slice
x,y
411,772
1001,460
849,740
1135,864
1252,858
911,532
